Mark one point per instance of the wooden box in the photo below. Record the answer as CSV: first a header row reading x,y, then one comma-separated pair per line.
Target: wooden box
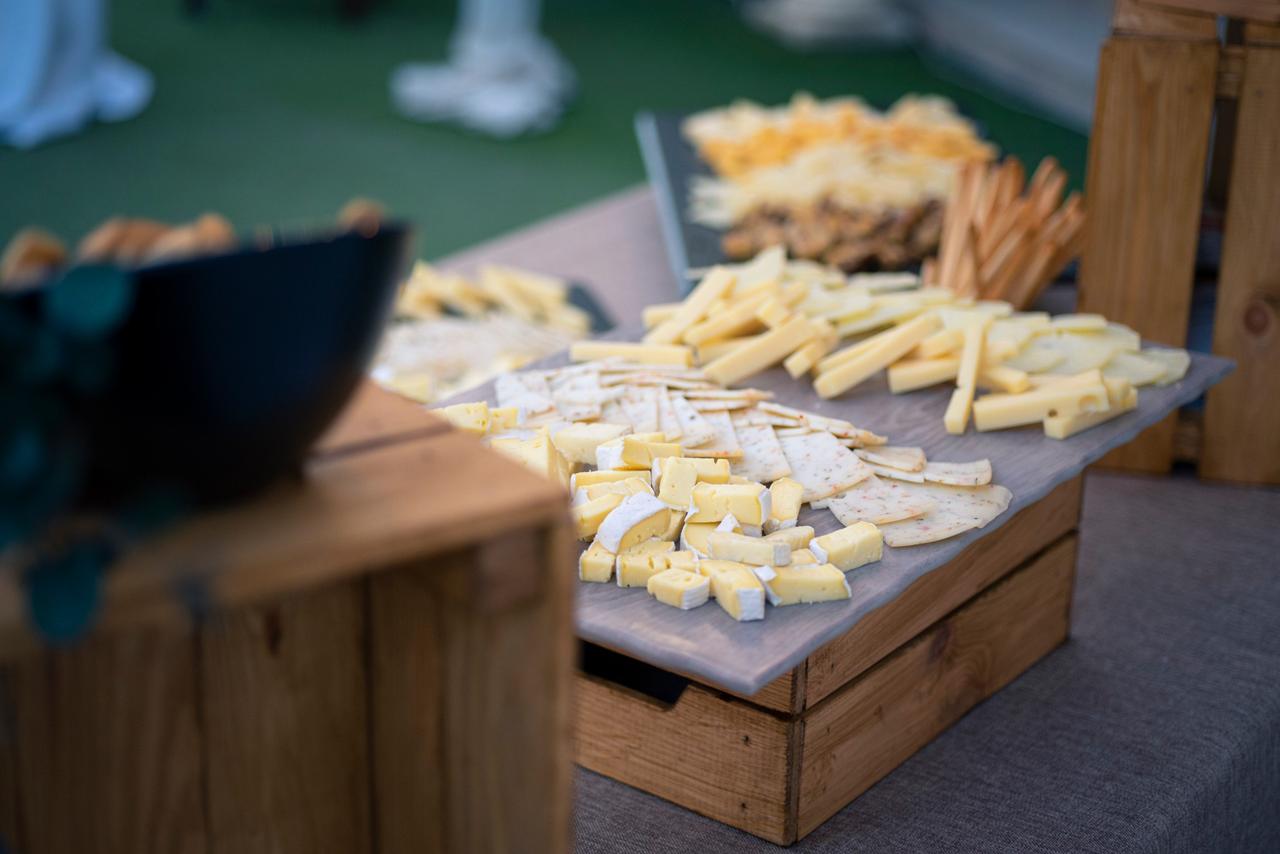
x,y
780,763
374,659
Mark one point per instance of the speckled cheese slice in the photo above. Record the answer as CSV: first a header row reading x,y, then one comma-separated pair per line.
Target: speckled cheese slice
x,y
636,519
668,423
976,473
878,502
805,583
906,459
694,428
956,509
822,465
739,593
640,403
849,548
724,440
762,458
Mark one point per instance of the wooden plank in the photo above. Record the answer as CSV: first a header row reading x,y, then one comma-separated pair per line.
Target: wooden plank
x,y
376,416
1242,417
1144,185
1162,20
470,705
943,590
387,505
859,735
717,756
109,748
1249,10
784,694
284,711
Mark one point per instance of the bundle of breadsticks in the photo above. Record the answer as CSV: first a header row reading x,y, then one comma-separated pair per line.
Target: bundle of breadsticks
x,y
1004,237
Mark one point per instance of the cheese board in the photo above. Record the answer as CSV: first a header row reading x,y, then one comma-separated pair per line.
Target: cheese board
x,y
744,658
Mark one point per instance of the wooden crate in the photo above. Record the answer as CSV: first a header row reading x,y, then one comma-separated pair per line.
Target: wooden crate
x,y
780,763
1162,74
382,664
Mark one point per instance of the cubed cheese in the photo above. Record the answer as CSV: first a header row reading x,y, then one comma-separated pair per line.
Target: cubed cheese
x,y
641,454
795,537
801,583
578,442
471,417
849,548
596,564
785,495
749,550
679,476
588,516
636,519
739,593
679,588
749,503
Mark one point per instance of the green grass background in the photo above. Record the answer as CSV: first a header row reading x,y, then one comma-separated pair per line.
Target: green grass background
x,y
276,111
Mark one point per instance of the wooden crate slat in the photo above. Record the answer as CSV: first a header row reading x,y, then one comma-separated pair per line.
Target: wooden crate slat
x,y
1147,18
1144,185
1242,417
784,694
375,416
943,590
109,747
286,726
862,733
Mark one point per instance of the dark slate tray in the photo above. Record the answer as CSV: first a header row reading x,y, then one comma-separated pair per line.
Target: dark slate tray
x,y
707,645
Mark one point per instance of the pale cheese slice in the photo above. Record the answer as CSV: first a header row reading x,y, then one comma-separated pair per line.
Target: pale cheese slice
x,y
1136,368
668,423
956,509
894,457
976,473
694,428
878,502
1176,363
640,403
898,474
723,442
762,458
822,465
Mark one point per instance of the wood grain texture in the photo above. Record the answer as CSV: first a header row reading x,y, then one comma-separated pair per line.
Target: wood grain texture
x,y
389,504
1164,20
471,707
109,748
376,416
286,726
1249,10
859,735
943,590
717,756
784,694
1144,185
1242,416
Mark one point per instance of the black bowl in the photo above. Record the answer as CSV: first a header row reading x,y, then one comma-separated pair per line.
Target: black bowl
x,y
228,368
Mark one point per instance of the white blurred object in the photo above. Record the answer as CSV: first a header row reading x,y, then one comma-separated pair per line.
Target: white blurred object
x,y
57,73
807,24
503,78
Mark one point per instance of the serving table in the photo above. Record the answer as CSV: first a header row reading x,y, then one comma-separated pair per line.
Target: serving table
x,y
375,657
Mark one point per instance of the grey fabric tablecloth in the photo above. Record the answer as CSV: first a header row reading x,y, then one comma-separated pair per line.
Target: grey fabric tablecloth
x,y
1155,728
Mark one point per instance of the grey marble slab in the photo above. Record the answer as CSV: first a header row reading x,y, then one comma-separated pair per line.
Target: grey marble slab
x,y
707,645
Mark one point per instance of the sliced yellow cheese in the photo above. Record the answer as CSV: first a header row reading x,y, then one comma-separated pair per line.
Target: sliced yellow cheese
x,y
471,417
578,442
658,313
732,321
645,354
956,418
773,312
739,593
588,515
1122,397
941,343
1004,378
912,374
680,588
749,503
998,411
755,551
785,497
795,538
769,349
713,350
718,283
583,479
636,519
888,348
1078,323
596,564
803,583
849,548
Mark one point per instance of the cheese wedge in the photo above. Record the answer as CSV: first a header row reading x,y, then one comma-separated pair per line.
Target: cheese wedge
x,y
680,588
588,516
785,497
804,583
644,354
471,417
636,519
641,454
1122,397
578,442
739,593
675,524
749,550
795,538
596,564
769,349
888,348
749,503
849,548
998,411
